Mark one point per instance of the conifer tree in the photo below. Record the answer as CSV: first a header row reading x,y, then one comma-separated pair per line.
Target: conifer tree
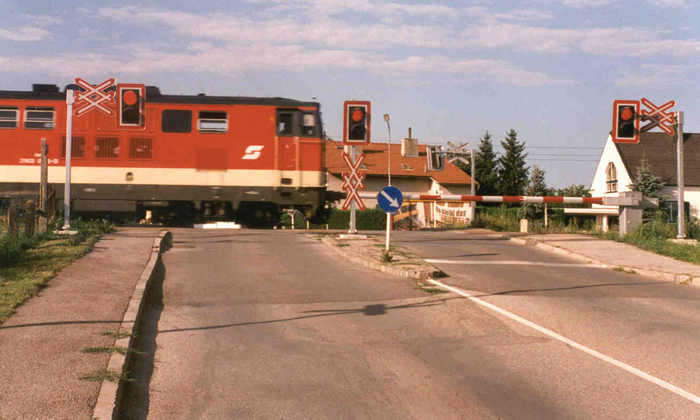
x,y
486,167
536,187
645,181
512,172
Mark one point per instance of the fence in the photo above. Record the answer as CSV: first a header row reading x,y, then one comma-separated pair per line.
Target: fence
x,y
32,218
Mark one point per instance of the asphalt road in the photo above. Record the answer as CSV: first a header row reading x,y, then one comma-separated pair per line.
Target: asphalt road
x,y
273,325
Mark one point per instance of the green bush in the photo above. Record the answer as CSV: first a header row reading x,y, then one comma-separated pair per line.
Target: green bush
x,y
10,253
501,218
92,227
369,219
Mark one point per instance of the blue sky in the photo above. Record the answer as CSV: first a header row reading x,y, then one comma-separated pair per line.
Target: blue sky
x,y
549,69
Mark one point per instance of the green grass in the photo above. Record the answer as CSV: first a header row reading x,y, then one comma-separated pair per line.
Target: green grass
x,y
24,279
100,375
109,350
29,264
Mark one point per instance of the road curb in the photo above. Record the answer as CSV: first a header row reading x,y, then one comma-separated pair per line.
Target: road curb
x,y
420,273
107,407
686,279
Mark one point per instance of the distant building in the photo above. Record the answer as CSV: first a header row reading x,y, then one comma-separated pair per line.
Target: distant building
x,y
619,163
409,173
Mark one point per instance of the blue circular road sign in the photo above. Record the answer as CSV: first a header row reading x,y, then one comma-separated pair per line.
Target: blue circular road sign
x,y
390,199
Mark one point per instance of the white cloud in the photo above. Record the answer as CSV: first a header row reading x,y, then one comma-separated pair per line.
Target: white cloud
x,y
142,59
24,33
669,3
620,42
655,76
45,20
374,8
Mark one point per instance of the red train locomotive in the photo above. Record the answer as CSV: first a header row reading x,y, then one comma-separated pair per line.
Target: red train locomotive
x,y
177,156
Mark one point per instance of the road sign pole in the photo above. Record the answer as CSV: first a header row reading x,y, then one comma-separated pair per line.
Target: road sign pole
x,y
69,142
681,192
388,231
353,207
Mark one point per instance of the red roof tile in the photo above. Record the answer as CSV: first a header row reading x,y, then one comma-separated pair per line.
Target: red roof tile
x,y
376,163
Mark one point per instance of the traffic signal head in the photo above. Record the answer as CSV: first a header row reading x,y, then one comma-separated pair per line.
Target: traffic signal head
x,y
131,101
436,160
625,121
356,126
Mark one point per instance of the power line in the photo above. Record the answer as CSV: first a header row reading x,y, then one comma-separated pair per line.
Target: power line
x,y
567,160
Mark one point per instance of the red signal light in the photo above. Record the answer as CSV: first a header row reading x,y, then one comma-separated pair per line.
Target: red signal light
x,y
357,117
358,114
625,121
130,97
627,113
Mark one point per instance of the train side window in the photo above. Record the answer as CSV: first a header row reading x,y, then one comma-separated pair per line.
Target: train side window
x,y
308,127
39,118
176,121
285,123
212,122
9,117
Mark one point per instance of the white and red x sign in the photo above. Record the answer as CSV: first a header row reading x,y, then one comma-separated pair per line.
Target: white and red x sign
x,y
353,182
658,116
93,97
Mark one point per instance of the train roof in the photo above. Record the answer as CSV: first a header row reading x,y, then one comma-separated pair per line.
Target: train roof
x,y
153,94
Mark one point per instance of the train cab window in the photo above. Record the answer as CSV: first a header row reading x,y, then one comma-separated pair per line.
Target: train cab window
x,y
39,118
285,123
212,122
308,127
177,121
9,117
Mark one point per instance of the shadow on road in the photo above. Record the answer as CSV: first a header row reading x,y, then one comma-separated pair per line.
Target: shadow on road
x,y
135,399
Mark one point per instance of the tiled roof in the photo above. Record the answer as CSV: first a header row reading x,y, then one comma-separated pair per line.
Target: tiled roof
x,y
660,150
376,163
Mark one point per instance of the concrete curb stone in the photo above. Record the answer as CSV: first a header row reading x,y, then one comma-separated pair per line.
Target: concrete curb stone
x,y
108,400
681,278
413,268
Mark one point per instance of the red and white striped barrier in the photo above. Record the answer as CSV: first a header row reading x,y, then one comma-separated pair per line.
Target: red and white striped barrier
x,y
494,199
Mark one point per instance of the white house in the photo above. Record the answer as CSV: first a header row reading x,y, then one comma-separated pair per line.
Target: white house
x,y
620,161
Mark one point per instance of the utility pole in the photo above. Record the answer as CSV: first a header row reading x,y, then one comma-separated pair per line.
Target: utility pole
x,y
43,186
680,162
70,99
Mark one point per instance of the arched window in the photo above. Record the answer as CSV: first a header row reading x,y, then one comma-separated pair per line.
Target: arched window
x,y
611,177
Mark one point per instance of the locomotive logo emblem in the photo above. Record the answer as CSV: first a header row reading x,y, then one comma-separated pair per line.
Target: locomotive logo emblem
x,y
252,152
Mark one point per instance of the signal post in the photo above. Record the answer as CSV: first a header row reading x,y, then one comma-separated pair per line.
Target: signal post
x,y
356,132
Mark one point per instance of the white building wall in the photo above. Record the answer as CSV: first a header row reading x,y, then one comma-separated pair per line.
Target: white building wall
x,y
599,185
690,194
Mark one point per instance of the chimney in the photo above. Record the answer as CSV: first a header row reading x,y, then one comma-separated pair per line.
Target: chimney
x,y
409,146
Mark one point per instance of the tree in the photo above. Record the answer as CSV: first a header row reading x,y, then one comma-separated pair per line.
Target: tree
x,y
536,187
512,172
486,167
573,190
645,181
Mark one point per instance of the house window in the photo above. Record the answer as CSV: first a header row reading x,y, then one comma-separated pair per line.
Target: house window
x,y
9,117
212,122
611,177
39,118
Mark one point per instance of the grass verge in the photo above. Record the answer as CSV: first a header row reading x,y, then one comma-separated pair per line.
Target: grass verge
x,y
31,263
26,278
